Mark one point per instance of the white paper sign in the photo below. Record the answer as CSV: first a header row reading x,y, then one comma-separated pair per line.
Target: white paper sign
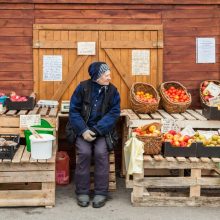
x,y
207,134
29,120
205,50
169,124
214,101
86,48
52,68
188,130
140,62
213,89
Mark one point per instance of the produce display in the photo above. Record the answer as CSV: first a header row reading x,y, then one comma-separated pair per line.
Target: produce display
x,y
207,91
2,94
176,95
213,141
145,97
178,140
16,98
152,130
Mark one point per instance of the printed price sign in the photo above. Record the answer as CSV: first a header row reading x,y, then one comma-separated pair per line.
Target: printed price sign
x,y
86,48
188,130
169,124
215,101
213,89
29,120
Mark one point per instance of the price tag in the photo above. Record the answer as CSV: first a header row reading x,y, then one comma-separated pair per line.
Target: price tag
x,y
207,134
29,120
213,89
215,101
188,130
169,124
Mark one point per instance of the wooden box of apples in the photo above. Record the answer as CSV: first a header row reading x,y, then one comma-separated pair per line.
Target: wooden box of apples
x,y
177,145
16,102
210,99
207,147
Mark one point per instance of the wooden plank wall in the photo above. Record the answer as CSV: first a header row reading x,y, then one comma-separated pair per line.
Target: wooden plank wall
x,y
182,22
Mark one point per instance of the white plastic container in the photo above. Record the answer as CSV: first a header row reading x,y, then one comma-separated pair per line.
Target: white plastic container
x,y
41,148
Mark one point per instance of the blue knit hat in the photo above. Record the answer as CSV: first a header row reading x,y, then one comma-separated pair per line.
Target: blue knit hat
x,y
96,69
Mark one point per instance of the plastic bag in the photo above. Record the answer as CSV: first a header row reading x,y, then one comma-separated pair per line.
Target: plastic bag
x,y
133,151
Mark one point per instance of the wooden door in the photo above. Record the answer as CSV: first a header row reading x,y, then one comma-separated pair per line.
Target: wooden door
x,y
114,45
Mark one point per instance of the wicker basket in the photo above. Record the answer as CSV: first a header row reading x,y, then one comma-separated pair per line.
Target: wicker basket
x,y
170,106
203,101
143,107
152,144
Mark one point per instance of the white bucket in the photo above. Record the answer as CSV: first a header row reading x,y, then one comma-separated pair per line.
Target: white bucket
x,y
41,148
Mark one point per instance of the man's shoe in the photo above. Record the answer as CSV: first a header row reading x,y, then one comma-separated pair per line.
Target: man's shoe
x,y
83,200
99,201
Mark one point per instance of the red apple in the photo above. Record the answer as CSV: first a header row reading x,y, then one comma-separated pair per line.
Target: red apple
x,y
186,138
205,83
172,132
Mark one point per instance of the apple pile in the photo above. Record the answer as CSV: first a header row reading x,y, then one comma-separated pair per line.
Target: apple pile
x,y
206,94
16,98
147,131
176,95
177,140
2,94
145,97
213,141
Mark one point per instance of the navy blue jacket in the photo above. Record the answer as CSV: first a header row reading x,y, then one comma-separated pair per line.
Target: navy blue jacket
x,y
103,124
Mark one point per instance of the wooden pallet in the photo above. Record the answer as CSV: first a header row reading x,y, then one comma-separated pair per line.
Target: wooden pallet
x,y
193,190
112,175
190,117
10,119
27,182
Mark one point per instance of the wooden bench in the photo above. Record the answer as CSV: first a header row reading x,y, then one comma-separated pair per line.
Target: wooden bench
x,y
27,182
193,189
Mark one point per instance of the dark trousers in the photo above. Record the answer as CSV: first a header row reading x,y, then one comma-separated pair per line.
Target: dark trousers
x,y
84,151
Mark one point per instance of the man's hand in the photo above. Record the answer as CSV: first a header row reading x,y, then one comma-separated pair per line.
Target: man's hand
x,y
88,135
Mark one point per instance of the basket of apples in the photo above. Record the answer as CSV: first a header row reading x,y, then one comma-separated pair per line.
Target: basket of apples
x,y
178,145
210,99
144,98
175,98
17,102
151,136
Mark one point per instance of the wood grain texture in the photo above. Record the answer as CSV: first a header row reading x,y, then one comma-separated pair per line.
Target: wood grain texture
x,y
182,21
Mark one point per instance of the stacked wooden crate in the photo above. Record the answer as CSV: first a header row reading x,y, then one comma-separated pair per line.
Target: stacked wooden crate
x,y
23,180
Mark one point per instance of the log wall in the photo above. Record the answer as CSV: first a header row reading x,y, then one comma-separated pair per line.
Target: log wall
x,y
182,23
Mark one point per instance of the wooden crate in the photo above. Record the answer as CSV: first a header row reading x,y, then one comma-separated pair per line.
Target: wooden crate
x,y
192,190
10,120
27,182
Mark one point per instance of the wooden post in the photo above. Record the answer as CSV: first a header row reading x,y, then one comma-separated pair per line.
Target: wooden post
x,y
195,190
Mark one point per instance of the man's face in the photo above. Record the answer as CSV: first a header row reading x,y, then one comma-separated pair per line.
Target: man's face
x,y
104,79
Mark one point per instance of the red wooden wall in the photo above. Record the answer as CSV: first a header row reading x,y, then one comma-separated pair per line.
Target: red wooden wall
x,y
183,22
